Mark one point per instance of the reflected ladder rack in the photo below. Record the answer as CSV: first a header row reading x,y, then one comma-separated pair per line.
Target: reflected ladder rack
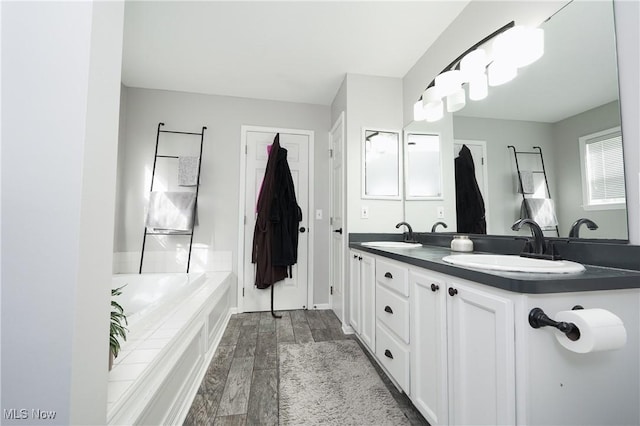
x,y
538,152
195,206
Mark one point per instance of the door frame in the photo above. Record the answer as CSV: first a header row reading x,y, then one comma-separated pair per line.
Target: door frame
x,y
340,121
485,172
244,129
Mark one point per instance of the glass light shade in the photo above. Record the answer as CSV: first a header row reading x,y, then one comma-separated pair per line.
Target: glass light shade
x,y
434,111
418,112
474,63
501,72
519,45
478,87
431,95
449,82
456,101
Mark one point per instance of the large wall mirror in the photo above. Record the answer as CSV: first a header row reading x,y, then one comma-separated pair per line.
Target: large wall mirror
x,y
570,94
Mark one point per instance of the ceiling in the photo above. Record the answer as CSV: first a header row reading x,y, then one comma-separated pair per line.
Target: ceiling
x,y
288,51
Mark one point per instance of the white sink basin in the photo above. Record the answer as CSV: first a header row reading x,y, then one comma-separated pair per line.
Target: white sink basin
x,y
391,244
512,263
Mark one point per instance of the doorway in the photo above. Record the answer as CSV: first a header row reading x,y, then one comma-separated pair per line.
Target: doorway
x,y
294,292
479,154
336,144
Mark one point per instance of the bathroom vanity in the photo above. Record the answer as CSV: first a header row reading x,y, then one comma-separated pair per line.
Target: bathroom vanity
x,y
458,342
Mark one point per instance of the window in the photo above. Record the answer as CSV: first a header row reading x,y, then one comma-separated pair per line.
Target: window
x,y
602,170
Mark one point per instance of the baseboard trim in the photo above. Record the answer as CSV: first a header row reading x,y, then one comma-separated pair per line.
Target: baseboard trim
x,y
322,306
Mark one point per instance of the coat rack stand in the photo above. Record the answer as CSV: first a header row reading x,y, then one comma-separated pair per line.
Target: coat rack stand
x,y
273,314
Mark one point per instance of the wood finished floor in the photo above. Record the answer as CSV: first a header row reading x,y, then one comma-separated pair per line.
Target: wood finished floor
x,y
240,386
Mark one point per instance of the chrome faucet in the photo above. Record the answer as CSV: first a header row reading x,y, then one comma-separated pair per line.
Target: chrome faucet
x,y
575,228
435,225
538,236
408,236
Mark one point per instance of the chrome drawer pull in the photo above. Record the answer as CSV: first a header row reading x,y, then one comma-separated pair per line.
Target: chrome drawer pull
x,y
388,353
388,309
388,275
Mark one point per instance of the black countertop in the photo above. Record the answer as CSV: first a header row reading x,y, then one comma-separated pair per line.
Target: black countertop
x,y
592,279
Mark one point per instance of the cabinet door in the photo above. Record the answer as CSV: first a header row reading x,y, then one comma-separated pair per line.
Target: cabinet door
x,y
368,300
354,290
429,346
481,357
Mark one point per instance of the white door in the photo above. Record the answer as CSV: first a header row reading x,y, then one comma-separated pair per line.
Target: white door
x,y
481,355
479,154
368,301
337,232
292,292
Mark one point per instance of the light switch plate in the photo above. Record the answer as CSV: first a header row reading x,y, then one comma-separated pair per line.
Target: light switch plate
x,y
364,212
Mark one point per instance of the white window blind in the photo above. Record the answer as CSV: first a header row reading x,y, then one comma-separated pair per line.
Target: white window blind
x,y
604,168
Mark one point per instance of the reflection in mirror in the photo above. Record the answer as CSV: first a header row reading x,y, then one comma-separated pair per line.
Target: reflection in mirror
x,y
568,94
381,168
423,169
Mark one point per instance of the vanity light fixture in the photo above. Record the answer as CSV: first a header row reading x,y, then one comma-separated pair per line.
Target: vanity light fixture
x,y
512,47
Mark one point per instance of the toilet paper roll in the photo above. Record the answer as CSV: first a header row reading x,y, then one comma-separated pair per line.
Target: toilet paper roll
x,y
600,330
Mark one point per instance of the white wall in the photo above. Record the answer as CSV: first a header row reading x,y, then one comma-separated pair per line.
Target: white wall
x,y
566,151
60,75
376,103
219,190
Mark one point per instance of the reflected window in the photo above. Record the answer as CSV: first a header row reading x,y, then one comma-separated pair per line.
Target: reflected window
x,y
381,154
423,163
602,170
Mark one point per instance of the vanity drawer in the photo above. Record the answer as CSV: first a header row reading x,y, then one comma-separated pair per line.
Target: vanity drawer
x,y
393,276
393,310
393,355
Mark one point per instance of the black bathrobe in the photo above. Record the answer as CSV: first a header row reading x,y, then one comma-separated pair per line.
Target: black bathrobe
x,y
469,203
275,237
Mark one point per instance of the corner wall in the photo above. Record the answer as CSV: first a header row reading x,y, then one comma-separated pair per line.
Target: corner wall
x,y
60,78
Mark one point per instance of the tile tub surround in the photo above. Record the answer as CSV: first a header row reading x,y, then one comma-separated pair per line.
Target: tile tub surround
x,y
166,353
253,396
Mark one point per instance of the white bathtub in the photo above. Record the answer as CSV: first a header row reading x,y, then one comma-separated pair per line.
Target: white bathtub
x,y
175,324
142,293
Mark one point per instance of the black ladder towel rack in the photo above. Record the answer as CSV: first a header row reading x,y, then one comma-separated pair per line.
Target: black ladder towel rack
x,y
195,206
538,152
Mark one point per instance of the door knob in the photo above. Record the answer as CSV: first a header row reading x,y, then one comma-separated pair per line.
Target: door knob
x,y
302,229
435,287
452,291
339,231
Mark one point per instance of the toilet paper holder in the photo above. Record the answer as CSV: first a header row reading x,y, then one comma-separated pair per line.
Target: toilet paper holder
x,y
537,319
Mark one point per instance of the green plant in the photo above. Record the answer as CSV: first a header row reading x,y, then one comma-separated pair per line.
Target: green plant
x,y
118,329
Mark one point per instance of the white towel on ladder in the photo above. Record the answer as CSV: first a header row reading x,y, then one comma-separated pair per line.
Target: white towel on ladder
x,y
171,210
540,210
188,171
527,187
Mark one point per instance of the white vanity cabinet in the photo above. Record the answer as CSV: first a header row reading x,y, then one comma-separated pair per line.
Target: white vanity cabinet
x,y
393,320
429,390
462,351
362,296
